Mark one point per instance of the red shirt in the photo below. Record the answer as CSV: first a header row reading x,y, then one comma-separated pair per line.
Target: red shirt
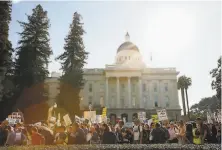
x,y
37,139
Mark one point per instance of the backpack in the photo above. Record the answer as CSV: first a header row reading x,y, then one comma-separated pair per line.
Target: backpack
x,y
166,133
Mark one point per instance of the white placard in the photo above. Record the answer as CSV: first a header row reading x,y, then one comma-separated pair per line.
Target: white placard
x,y
90,115
67,120
11,121
128,124
98,119
162,115
142,116
77,119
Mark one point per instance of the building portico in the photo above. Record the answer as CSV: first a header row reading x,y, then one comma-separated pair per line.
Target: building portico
x,y
128,86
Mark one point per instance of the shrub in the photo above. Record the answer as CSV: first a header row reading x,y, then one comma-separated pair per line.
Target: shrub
x,y
119,147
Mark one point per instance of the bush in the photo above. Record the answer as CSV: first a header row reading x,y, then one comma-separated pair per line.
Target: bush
x,y
120,147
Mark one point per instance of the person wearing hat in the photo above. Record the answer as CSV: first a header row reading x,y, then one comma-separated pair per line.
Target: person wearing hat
x,y
172,132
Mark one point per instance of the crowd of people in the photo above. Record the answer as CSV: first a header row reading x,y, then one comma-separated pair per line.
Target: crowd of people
x,y
81,133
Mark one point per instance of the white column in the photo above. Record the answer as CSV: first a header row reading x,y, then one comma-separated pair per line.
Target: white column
x,y
140,93
129,93
117,92
107,92
160,98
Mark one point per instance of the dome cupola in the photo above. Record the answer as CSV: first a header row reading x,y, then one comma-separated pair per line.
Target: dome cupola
x,y
127,45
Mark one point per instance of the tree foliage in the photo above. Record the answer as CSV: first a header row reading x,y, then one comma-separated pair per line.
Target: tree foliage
x,y
5,44
72,60
181,87
183,84
5,57
32,55
216,75
200,109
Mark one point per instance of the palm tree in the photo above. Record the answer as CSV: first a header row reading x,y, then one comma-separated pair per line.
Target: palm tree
x,y
181,87
188,83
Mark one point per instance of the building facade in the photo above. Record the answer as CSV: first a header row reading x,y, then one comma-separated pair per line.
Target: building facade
x,y
128,86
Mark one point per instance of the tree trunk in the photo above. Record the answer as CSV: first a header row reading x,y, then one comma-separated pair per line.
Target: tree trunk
x,y
183,100
188,109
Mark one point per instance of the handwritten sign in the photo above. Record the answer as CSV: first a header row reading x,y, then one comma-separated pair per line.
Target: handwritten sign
x,y
162,115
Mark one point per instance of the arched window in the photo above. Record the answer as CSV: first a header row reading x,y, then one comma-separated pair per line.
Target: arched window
x,y
156,101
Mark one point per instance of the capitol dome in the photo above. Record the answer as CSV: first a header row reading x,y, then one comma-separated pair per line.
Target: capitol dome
x,y
128,54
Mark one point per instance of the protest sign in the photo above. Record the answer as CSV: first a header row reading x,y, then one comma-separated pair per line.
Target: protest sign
x,y
90,115
162,115
67,120
141,116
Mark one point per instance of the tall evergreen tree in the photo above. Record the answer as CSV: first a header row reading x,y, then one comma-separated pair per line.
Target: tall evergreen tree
x,y
5,44
33,55
72,61
5,58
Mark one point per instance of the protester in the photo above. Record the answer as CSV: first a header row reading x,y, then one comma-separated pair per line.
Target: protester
x,y
37,139
137,132
172,133
105,133
204,131
108,137
146,134
196,134
61,136
182,133
79,134
158,135
189,133
3,132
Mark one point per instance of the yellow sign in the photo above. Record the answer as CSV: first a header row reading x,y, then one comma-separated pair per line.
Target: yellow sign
x,y
155,118
104,112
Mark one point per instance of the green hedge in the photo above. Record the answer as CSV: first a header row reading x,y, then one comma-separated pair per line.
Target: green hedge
x,y
120,147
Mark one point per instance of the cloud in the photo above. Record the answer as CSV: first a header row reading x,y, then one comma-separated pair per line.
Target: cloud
x,y
16,1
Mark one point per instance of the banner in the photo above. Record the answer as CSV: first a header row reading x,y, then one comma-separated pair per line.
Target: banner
x,y
67,120
162,115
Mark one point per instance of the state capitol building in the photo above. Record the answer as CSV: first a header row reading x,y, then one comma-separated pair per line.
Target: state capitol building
x,y
127,86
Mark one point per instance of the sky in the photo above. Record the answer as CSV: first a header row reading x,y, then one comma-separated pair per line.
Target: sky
x,y
184,35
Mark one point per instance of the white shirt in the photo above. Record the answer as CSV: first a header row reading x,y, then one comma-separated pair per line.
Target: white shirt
x,y
18,136
136,132
172,133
